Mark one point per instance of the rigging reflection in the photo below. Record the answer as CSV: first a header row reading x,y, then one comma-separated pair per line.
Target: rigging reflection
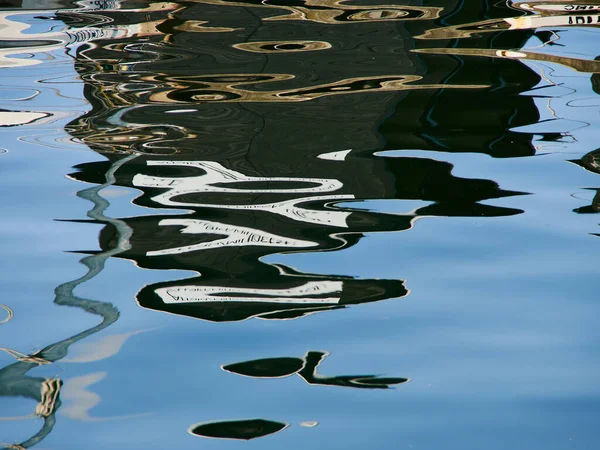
x,y
14,380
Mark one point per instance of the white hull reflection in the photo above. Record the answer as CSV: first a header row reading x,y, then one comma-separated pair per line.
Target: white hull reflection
x,y
304,294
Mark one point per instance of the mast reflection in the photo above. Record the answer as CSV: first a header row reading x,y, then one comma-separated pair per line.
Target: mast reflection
x,y
14,381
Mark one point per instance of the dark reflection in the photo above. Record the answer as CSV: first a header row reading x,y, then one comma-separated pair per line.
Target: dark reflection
x,y
238,429
590,161
238,219
259,136
266,368
332,12
306,368
594,207
490,48
287,296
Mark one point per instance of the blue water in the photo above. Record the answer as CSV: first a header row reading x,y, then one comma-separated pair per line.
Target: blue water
x,y
440,251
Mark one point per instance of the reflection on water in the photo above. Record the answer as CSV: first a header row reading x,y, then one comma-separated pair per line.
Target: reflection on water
x,y
13,378
234,283
251,130
238,429
306,368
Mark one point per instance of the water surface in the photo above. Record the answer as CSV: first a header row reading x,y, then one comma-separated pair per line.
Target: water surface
x,y
316,223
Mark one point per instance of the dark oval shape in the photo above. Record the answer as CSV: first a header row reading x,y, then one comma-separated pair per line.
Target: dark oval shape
x,y
201,95
265,185
237,429
266,368
384,382
234,78
288,46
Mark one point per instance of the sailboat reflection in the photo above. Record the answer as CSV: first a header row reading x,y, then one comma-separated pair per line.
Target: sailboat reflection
x,y
287,296
306,368
236,219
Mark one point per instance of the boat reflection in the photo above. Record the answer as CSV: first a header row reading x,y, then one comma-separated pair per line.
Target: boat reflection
x,y
260,138
547,15
235,220
306,368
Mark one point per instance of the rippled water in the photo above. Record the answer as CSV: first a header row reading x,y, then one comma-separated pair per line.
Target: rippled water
x,y
211,224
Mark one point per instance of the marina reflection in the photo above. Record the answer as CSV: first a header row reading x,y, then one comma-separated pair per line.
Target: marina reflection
x,y
253,183
261,138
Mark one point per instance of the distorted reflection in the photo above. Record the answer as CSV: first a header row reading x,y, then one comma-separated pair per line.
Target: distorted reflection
x,y
14,381
237,429
333,12
237,219
595,204
548,15
19,39
16,118
590,162
306,368
267,134
283,46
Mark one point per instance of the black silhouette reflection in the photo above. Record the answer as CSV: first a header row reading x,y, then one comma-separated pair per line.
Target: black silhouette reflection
x,y
236,219
238,429
591,163
306,368
594,207
260,148
258,137
166,91
288,296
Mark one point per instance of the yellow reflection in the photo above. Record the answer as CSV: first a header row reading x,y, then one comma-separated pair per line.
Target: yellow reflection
x,y
229,88
283,46
336,12
580,65
562,6
197,26
512,23
9,314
